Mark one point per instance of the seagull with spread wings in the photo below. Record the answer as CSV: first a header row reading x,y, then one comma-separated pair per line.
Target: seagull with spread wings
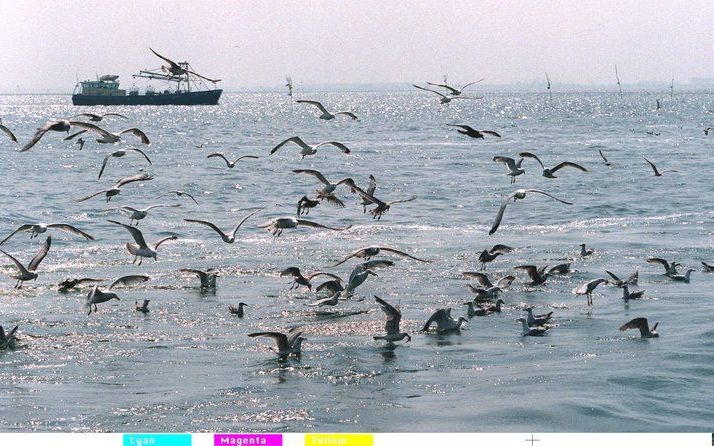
x,y
391,326
519,194
304,279
308,149
106,137
50,126
118,154
228,237
452,90
231,164
325,114
276,225
115,190
371,251
288,344
36,229
443,98
514,167
96,118
140,214
29,273
382,206
472,132
641,324
550,172
143,249
8,132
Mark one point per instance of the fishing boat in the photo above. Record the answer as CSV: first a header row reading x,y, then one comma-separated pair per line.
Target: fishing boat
x,y
184,86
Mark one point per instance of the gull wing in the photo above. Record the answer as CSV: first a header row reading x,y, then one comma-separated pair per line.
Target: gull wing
x,y
433,91
179,193
451,89
491,132
129,280
404,254
662,262
603,156
568,164
470,83
291,271
280,339
617,279
350,114
173,64
17,263
480,277
114,114
530,155
93,195
243,221
347,258
136,132
91,127
44,249
654,168
295,139
505,282
74,135
468,128
70,228
104,165
405,200
8,132
165,239
321,273
138,177
337,144
394,316
372,186
639,323
499,215
314,173
209,224
246,156
20,229
501,249
537,191
38,135
294,334
142,152
135,233
315,103
532,270
318,225
219,155
510,162
91,116
438,317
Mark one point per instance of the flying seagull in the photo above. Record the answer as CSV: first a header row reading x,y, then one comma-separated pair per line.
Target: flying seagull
x,y
301,279
142,250
36,229
482,278
371,251
287,344
472,132
444,322
452,90
139,214
54,126
641,324
29,273
276,225
69,283
538,275
177,70
549,173
207,277
607,163
305,204
328,187
96,118
231,164
670,269
657,173
115,190
444,99
519,194
228,237
118,154
132,279
308,149
632,279
180,193
325,114
391,327
488,256
106,137
514,167
8,132
382,206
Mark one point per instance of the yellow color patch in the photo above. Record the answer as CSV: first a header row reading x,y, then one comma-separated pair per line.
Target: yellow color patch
x,y
339,440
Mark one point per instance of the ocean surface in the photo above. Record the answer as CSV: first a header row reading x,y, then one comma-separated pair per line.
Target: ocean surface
x,y
188,365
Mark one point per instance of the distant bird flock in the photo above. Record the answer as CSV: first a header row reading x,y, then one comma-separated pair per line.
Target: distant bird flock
x,y
488,296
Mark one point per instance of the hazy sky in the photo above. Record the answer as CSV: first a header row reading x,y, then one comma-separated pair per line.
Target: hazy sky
x,y
47,44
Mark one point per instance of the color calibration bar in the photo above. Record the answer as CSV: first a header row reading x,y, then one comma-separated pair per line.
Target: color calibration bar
x,y
357,439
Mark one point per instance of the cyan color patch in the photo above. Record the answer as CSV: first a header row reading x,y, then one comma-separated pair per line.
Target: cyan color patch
x,y
157,440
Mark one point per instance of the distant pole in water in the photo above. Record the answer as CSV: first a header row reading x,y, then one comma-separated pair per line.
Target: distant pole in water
x,y
671,89
619,85
289,84
550,92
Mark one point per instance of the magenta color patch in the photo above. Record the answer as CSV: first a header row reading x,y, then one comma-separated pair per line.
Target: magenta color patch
x,y
247,440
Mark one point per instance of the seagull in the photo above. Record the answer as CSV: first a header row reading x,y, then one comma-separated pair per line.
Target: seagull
x,y
496,308
305,204
519,194
482,278
707,267
331,286
371,187
391,327
483,295
177,70
514,167
208,277
227,237
538,319
8,341
139,214
97,296
118,154
471,311
607,163
532,331
106,137
488,256
180,193
97,118
359,274
657,173
472,132
115,190
129,280
328,187
276,225
328,301
231,164
588,287
706,130
29,273
641,324
36,229
626,295
454,91
563,268
371,251
143,307
287,345
301,279
538,275
325,114
142,250
444,322
444,99
310,149
238,311
585,252
69,283
8,132
549,173
54,126
670,269
681,278
631,279
80,142
382,207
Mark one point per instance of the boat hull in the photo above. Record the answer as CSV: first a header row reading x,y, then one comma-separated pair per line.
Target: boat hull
x,y
209,97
